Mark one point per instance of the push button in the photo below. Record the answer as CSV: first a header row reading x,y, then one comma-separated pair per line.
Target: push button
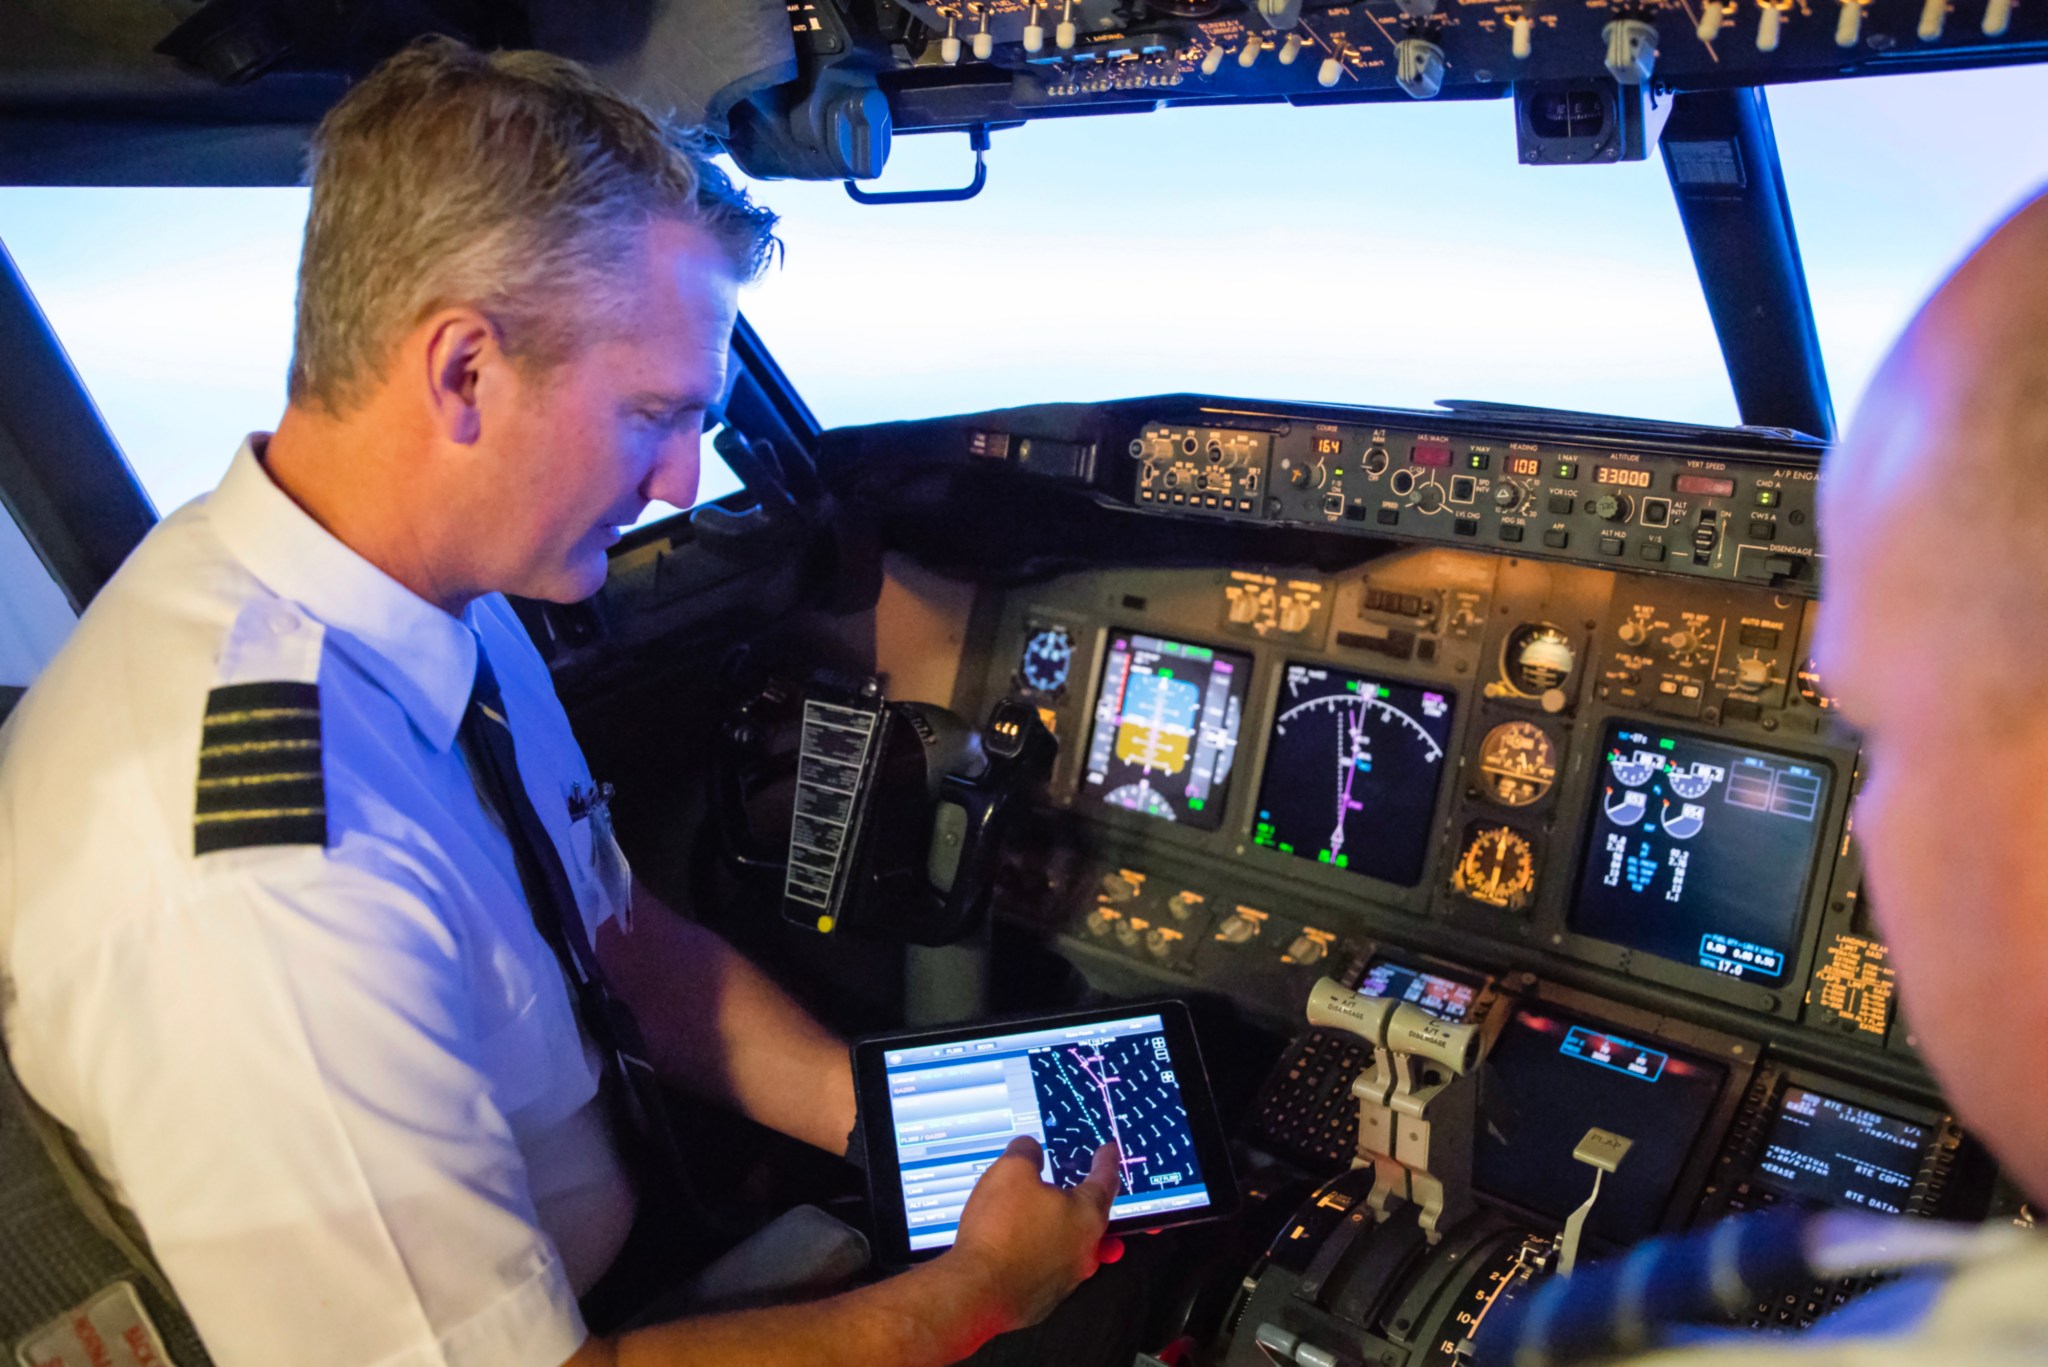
x,y
1560,503
1510,532
1557,538
1652,551
1389,517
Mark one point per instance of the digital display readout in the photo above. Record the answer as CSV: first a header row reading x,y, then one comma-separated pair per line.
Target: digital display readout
x,y
1527,467
1621,476
1352,772
1445,998
1430,453
1166,720
1700,851
1329,446
956,1107
1839,1154
1704,484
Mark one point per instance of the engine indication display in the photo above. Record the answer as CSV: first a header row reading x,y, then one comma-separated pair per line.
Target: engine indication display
x,y
1701,852
1352,772
1166,724
1517,763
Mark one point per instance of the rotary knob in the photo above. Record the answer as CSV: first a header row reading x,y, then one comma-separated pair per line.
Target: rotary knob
x,y
1127,933
1681,643
1506,495
1632,632
1294,616
1430,498
1182,905
1117,889
1101,921
1306,949
1158,943
1612,507
1237,928
1753,674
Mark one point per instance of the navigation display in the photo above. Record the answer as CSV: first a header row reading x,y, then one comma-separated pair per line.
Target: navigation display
x,y
1701,851
1166,723
1554,1075
1074,1088
1445,998
1352,772
1840,1154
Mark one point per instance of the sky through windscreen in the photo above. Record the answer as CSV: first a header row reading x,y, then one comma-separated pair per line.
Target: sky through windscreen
x,y
1388,255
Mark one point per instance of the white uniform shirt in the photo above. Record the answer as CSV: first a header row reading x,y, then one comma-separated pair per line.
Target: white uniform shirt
x,y
342,1088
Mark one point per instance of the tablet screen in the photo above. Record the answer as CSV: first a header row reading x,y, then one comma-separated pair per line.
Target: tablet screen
x,y
954,1106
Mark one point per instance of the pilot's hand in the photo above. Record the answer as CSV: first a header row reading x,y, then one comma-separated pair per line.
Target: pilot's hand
x,y
1029,1243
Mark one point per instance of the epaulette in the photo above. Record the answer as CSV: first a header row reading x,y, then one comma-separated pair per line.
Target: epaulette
x,y
261,780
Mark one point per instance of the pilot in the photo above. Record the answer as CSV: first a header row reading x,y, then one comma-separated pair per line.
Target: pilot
x,y
313,926
1930,622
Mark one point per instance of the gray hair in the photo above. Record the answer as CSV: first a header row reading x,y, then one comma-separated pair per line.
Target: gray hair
x,y
513,182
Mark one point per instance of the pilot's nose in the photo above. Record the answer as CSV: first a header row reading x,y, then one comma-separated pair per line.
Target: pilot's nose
x,y
674,477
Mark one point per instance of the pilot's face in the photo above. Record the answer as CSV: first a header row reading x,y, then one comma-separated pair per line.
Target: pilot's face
x,y
587,445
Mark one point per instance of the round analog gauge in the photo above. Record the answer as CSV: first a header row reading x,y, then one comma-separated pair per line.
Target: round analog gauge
x,y
1048,658
1498,868
1517,763
1811,691
1537,658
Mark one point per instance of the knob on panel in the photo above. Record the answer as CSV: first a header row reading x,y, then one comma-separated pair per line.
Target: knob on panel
x,y
1237,928
1306,949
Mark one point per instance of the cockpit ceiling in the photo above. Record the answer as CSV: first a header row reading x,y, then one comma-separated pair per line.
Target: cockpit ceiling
x,y
816,89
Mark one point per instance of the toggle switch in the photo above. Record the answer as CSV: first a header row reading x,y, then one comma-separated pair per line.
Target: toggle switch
x,y
1712,15
1034,32
1849,24
1933,17
1522,32
1768,26
1997,18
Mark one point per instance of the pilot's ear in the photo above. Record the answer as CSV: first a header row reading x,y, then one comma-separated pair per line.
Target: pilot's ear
x,y
461,344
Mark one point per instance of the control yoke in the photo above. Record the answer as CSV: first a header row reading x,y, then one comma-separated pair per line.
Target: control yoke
x,y
1417,1103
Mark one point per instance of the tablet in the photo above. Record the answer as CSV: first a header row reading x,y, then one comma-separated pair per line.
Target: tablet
x,y
939,1106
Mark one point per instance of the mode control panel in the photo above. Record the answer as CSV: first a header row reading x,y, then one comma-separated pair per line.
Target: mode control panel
x,y
1745,518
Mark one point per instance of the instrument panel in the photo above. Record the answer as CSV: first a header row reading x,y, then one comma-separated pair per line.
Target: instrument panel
x,y
1540,760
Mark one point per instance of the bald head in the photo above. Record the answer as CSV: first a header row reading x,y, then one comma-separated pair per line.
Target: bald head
x,y
1934,634
1928,513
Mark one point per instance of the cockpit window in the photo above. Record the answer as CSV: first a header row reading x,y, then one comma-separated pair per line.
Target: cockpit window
x,y
1892,181
1379,254
175,306
34,616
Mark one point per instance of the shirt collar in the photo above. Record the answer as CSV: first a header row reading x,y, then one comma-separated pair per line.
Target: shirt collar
x,y
417,653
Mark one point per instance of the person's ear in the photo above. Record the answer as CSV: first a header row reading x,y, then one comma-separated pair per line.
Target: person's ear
x,y
461,342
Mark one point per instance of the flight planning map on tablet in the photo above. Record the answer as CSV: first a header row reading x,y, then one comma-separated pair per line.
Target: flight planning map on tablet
x,y
955,1106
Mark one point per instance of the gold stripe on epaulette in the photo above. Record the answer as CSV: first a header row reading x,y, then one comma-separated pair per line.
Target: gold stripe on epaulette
x,y
254,747
265,814
251,780
260,714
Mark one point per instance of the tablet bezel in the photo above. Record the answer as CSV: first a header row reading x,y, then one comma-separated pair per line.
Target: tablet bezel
x,y
878,1131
